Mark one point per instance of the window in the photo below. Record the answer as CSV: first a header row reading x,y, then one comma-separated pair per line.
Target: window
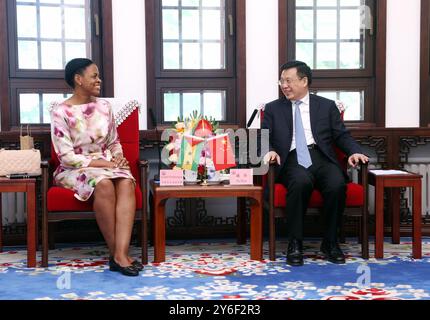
x,y
329,34
353,99
193,34
50,33
191,51
208,103
338,39
43,35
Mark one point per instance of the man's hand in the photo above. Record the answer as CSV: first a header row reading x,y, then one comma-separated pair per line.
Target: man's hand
x,y
271,157
356,158
120,162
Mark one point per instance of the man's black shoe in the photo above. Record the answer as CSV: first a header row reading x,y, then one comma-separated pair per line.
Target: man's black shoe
x,y
332,252
295,253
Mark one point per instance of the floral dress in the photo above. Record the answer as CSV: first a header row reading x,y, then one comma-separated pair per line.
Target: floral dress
x,y
80,134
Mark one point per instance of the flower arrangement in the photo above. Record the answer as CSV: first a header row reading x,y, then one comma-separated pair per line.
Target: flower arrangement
x,y
196,145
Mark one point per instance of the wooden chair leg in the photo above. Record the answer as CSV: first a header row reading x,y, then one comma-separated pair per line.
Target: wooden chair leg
x,y
144,239
144,214
151,211
360,232
272,227
365,234
138,233
364,216
45,249
45,225
52,226
272,237
45,246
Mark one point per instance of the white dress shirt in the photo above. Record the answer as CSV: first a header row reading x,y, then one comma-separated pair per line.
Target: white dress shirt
x,y
306,119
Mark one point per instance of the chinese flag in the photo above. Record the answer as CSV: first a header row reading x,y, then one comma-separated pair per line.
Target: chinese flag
x,y
221,152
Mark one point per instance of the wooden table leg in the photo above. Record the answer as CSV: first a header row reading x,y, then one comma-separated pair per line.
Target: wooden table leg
x,y
31,225
256,229
379,216
417,216
395,216
241,221
159,231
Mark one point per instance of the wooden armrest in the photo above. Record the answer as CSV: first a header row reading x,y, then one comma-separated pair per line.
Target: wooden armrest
x,y
44,164
271,174
363,170
364,166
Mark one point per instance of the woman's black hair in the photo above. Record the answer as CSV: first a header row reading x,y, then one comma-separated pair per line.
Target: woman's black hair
x,y
73,67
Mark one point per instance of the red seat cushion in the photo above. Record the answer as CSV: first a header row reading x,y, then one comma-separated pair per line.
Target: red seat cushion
x,y
63,200
354,196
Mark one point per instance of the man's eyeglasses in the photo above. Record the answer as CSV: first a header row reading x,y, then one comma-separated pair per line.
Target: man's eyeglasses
x,y
287,81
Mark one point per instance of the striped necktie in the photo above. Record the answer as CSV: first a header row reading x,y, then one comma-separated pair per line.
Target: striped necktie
x,y
303,156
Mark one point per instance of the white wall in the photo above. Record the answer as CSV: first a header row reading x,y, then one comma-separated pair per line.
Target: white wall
x,y
403,63
129,52
262,56
403,56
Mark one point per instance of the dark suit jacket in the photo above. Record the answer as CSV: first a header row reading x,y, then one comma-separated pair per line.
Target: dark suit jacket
x,y
326,123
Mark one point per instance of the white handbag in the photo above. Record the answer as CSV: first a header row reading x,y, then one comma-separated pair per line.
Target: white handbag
x,y
26,162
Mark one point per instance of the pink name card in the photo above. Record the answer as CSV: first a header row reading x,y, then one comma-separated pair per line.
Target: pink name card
x,y
241,177
171,178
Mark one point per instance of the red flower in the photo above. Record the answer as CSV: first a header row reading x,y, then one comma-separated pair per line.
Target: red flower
x,y
201,169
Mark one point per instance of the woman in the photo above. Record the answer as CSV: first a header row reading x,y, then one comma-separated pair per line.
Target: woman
x,y
92,163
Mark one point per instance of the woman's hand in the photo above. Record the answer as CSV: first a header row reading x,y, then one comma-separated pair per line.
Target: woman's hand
x,y
120,162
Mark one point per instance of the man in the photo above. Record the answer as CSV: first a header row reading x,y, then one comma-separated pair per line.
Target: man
x,y
303,128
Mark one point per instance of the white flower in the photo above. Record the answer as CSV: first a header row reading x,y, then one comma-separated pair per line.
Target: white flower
x,y
180,126
173,158
170,147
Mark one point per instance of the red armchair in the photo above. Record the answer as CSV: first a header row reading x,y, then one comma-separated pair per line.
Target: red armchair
x,y
356,203
59,204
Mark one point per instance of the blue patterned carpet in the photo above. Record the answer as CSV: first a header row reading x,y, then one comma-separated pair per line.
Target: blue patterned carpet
x,y
218,270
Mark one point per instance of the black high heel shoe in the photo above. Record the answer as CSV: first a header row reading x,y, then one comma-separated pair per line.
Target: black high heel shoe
x,y
137,265
129,271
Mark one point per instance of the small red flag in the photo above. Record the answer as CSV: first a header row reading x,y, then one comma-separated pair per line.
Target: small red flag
x,y
221,152
203,129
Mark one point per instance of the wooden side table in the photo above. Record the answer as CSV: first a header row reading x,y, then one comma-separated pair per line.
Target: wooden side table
x,y
254,193
28,186
381,181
